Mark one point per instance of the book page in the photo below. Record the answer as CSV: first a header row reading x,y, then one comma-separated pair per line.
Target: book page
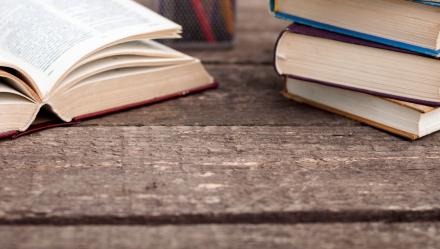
x,y
121,62
141,48
47,37
104,16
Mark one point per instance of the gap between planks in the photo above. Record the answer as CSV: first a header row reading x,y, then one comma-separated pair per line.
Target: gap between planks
x,y
279,218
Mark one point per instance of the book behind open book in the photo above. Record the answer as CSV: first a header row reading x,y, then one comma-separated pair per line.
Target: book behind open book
x,y
85,58
402,118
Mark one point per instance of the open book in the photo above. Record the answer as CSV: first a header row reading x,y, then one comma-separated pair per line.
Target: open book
x,y
84,58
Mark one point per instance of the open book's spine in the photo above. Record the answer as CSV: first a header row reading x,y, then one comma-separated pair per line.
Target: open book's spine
x,y
77,120
35,128
8,134
352,33
44,126
351,116
310,31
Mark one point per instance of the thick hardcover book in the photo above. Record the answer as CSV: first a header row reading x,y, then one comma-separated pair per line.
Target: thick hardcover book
x,y
349,115
406,42
405,119
84,59
313,63
54,124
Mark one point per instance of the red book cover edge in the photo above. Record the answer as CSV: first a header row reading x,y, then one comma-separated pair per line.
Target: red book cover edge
x,y
77,120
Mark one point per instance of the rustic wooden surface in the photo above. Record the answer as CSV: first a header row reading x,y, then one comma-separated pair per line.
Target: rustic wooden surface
x,y
237,167
300,236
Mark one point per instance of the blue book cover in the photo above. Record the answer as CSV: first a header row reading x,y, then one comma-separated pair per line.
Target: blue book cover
x,y
378,39
432,3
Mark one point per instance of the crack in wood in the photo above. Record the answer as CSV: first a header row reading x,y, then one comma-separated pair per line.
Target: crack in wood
x,y
279,218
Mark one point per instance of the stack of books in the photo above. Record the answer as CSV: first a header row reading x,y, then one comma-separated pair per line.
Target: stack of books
x,y
86,58
373,61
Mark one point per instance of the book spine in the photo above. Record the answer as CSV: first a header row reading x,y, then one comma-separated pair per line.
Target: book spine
x,y
273,6
8,134
276,52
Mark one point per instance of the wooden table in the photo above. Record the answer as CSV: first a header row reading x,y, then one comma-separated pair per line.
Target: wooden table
x,y
240,167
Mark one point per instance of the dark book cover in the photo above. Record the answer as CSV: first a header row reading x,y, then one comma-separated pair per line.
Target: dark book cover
x,y
273,5
310,31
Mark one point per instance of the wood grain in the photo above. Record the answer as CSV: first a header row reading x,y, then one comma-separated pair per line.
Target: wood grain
x,y
240,166
341,236
189,171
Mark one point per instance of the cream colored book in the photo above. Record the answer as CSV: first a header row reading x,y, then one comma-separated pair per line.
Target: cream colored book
x,y
84,58
337,60
405,24
405,119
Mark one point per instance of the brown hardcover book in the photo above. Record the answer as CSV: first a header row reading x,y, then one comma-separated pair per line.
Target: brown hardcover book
x,y
83,59
405,119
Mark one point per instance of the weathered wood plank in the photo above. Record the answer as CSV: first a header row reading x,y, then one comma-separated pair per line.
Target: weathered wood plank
x,y
242,154
158,171
248,95
341,236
